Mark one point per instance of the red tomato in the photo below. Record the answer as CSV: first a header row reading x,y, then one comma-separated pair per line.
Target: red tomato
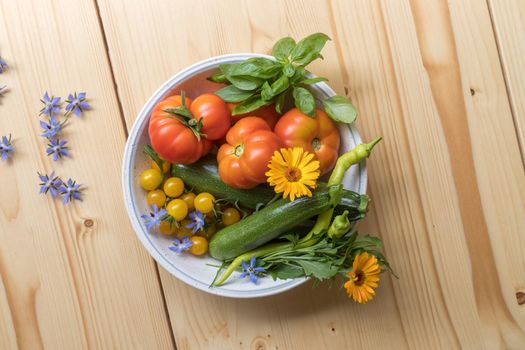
x,y
214,113
318,135
171,139
243,160
268,113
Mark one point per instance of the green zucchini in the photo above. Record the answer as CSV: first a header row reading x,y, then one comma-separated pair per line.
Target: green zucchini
x,y
279,217
203,177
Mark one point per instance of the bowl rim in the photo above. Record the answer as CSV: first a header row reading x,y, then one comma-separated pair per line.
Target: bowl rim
x,y
128,164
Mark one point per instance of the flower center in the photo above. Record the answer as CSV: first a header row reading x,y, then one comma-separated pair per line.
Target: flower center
x,y
292,174
359,278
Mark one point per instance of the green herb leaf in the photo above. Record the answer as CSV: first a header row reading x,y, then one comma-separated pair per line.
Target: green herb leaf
x,y
256,67
283,48
304,100
317,269
309,48
313,80
231,93
300,74
286,271
279,102
269,92
340,109
218,77
266,91
245,82
249,105
289,70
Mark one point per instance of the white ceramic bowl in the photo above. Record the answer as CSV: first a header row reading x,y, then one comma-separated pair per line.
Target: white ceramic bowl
x,y
189,269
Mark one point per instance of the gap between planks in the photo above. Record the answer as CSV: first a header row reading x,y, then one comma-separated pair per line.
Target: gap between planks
x,y
123,121
521,143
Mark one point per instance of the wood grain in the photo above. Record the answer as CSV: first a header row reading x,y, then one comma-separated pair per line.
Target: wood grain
x,y
509,29
441,81
448,203
72,276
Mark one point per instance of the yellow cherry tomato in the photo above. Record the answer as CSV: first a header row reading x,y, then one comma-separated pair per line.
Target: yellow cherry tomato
x,y
200,245
156,197
230,216
207,232
183,231
165,166
173,187
189,198
178,209
167,228
204,202
150,179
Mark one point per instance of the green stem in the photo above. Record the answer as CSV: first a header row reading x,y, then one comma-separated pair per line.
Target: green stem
x,y
236,263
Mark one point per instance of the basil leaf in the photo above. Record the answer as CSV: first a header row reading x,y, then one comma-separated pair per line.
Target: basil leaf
x,y
218,77
283,48
304,100
280,85
313,80
340,109
309,48
268,92
256,67
289,70
279,103
231,93
300,74
251,104
245,82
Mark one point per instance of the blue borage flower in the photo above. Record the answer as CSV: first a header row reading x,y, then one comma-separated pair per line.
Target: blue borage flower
x,y
50,183
153,219
51,105
50,129
180,246
197,221
77,103
251,270
57,149
70,191
6,148
3,65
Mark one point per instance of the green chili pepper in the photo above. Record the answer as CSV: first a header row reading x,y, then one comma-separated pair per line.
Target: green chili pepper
x,y
339,226
322,224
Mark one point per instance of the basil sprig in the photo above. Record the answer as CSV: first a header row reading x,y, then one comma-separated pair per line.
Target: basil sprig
x,y
259,81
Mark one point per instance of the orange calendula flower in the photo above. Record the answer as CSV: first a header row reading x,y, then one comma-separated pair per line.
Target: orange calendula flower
x,y
293,172
363,278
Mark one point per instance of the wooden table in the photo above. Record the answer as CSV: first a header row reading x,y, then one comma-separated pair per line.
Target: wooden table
x,y
442,81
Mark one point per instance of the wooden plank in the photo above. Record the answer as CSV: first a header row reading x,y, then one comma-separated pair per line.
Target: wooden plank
x,y
509,29
302,318
448,202
71,276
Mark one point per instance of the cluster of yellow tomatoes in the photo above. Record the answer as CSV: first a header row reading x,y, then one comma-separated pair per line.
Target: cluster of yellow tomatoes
x,y
171,194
